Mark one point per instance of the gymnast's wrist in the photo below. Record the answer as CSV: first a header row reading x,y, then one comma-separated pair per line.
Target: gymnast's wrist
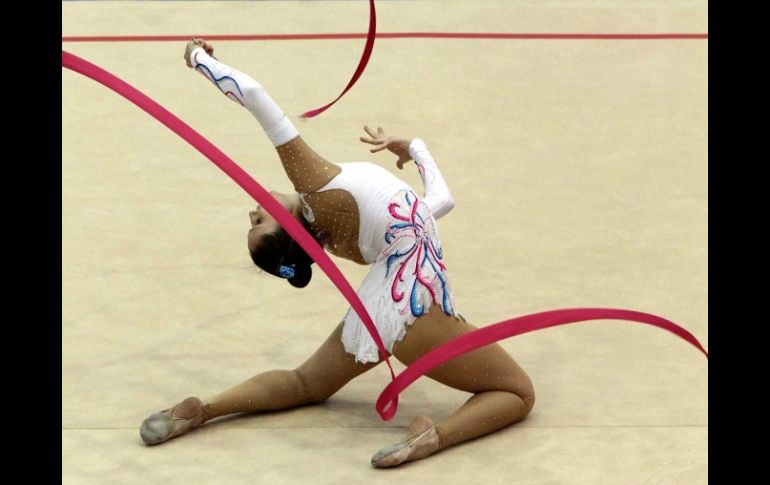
x,y
416,147
193,56
419,152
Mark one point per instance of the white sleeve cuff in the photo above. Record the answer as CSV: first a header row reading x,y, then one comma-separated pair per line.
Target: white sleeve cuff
x,y
193,60
415,147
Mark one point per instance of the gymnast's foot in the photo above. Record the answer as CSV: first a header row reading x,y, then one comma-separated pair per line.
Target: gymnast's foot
x,y
173,422
421,441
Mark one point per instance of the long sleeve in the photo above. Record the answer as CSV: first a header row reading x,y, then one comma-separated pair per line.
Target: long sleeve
x,y
246,91
307,170
437,196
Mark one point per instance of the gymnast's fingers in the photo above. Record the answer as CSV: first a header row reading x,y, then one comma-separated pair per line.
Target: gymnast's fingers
x,y
371,141
370,132
378,149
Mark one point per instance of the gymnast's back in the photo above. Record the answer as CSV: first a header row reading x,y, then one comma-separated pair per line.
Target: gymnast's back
x,y
360,202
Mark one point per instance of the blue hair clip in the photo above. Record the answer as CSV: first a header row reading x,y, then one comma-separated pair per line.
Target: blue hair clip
x,y
286,272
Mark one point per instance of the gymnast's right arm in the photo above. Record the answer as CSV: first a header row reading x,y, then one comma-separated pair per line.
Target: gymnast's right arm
x,y
437,196
307,170
242,89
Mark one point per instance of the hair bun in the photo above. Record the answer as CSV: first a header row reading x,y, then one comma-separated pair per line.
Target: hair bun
x,y
302,275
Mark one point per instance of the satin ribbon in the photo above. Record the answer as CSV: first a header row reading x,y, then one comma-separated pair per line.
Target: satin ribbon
x,y
368,48
235,172
387,402
508,328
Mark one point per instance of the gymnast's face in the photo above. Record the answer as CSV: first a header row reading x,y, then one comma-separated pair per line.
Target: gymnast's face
x,y
263,223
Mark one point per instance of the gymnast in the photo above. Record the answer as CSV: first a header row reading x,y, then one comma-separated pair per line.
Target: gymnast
x,y
361,212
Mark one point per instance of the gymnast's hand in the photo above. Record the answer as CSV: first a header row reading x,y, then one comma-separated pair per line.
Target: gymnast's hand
x,y
397,146
192,45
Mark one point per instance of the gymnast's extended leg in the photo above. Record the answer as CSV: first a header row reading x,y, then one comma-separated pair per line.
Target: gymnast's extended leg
x,y
317,379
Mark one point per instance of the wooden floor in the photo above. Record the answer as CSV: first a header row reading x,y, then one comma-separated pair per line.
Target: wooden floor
x,y
580,173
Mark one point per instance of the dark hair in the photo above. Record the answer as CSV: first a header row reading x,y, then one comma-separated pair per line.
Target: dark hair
x,y
277,249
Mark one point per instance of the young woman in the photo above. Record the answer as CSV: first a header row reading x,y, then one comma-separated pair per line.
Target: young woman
x,y
361,212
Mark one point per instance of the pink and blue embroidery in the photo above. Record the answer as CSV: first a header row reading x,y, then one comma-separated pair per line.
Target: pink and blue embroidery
x,y
421,263
220,82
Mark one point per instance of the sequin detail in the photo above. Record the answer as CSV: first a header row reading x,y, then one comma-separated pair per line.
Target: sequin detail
x,y
307,170
336,214
411,262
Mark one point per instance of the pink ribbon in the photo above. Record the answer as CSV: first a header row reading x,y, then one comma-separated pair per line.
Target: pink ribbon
x,y
387,403
235,172
509,328
368,48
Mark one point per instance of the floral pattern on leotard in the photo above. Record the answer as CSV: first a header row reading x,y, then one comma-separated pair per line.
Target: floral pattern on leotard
x,y
419,265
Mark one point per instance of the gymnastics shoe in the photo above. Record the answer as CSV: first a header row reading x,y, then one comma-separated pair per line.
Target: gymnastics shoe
x,y
422,441
173,422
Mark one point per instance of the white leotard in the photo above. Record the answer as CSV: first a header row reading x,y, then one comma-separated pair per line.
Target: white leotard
x,y
398,236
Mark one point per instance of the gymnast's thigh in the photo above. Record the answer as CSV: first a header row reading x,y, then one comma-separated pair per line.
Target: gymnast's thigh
x,y
331,367
484,369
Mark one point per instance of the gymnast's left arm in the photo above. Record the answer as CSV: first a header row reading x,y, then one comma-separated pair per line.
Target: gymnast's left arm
x,y
437,196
